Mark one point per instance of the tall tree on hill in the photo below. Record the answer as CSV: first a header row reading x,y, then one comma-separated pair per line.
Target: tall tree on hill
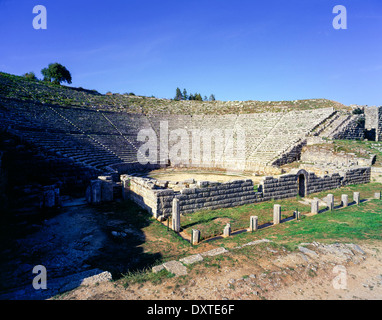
x,y
56,73
198,97
178,94
185,95
212,97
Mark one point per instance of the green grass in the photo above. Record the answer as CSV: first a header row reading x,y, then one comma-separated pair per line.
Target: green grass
x,y
211,222
348,224
144,275
361,222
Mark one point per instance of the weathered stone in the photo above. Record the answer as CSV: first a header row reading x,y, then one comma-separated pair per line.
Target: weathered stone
x,y
315,206
49,199
157,268
95,186
253,223
356,197
107,190
330,201
191,259
227,230
175,215
276,214
175,267
195,236
344,200
214,252
307,251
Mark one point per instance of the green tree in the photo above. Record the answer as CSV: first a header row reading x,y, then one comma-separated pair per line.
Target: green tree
x,y
212,97
198,97
56,73
30,75
178,95
185,95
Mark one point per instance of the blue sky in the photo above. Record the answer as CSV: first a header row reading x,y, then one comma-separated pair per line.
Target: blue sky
x,y
238,50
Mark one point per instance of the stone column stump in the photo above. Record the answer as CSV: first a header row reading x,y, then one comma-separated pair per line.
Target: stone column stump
x,y
253,223
314,206
330,201
276,214
195,237
356,198
227,230
175,215
344,200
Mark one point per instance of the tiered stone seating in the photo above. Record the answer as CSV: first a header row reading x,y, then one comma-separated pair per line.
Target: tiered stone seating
x,y
100,138
79,147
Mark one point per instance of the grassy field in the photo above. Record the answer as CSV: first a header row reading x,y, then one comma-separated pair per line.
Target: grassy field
x,y
211,222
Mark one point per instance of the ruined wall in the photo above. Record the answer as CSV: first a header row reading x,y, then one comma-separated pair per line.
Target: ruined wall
x,y
218,195
319,155
291,155
148,195
327,182
207,195
154,197
373,121
353,130
357,176
283,187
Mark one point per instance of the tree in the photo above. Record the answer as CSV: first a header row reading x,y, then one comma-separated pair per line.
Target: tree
x,y
178,95
198,97
30,75
56,73
212,97
185,95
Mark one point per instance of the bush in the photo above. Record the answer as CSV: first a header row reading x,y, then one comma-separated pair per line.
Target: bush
x,y
30,76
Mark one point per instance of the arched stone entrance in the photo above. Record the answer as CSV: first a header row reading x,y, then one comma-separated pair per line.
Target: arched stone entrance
x,y
302,183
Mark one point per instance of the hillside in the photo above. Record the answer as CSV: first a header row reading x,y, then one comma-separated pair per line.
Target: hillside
x,y
17,87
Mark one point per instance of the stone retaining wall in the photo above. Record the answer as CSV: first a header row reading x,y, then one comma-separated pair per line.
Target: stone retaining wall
x,y
154,196
218,195
283,187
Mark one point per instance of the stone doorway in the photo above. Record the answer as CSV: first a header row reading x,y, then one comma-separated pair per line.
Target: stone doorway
x,y
301,185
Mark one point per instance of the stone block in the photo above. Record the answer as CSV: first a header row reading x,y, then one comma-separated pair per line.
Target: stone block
x,y
344,200
227,230
356,197
49,198
191,259
315,206
253,223
330,201
176,268
195,237
276,214
107,190
96,191
176,215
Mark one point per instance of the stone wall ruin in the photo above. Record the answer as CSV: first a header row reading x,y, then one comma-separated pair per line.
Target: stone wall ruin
x,y
155,197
